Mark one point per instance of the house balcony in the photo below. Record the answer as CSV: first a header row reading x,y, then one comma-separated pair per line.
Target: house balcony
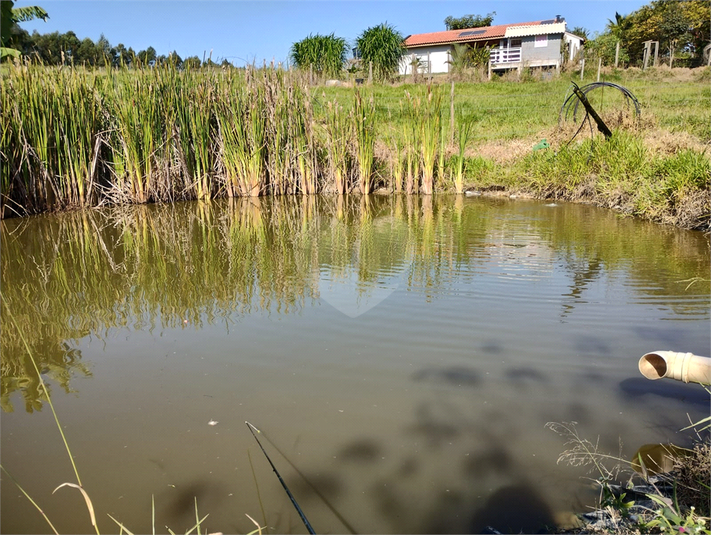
x,y
505,55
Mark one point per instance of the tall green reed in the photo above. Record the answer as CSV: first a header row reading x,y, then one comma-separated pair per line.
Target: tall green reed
x,y
464,131
339,135
242,129
138,123
411,136
364,120
431,132
51,139
303,139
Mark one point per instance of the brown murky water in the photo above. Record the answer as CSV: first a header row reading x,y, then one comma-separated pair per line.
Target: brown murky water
x,y
401,356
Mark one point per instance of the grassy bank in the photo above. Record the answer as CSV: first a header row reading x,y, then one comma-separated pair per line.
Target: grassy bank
x,y
74,138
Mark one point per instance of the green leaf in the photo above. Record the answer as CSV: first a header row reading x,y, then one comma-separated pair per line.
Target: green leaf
x,y
27,13
4,52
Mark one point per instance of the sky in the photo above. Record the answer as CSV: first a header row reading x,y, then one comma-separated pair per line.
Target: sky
x,y
244,31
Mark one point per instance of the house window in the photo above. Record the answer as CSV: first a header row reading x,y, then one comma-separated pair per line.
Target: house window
x,y
541,41
515,43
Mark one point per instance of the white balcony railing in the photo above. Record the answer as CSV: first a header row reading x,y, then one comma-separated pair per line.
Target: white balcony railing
x,y
505,55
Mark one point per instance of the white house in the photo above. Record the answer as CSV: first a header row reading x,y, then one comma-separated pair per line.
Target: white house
x,y
513,46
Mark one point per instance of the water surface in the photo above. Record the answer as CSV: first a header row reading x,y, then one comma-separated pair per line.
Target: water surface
x,y
401,356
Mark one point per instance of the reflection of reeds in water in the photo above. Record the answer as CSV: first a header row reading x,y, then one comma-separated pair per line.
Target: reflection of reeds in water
x,y
81,273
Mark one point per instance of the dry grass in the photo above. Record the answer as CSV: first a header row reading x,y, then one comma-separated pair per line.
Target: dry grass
x,y
692,474
664,142
502,151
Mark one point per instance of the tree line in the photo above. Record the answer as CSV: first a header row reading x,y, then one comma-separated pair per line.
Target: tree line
x,y
66,48
681,27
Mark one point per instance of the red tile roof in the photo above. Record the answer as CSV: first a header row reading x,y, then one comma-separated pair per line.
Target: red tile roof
x,y
456,36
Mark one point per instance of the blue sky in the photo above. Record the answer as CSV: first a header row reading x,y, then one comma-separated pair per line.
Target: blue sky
x,y
246,31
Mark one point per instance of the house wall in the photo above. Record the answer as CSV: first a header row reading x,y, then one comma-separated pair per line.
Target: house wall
x,y
548,55
438,57
574,45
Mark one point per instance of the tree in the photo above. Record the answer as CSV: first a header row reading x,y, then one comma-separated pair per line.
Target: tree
x,y
581,32
604,46
192,62
10,16
469,21
88,53
123,56
106,54
620,26
147,56
382,46
685,22
175,59
326,54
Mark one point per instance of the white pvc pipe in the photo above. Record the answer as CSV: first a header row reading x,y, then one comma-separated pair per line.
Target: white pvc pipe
x,y
685,367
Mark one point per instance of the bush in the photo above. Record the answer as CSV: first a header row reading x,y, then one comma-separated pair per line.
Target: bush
x,y
382,46
325,53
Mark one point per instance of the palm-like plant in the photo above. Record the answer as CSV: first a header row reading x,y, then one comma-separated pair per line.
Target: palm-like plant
x,y
382,46
325,53
620,26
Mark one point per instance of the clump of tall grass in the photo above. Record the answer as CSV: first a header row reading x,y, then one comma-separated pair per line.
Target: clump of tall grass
x,y
138,144
397,162
430,115
50,138
674,499
325,54
364,121
338,129
195,118
411,136
242,128
464,130
277,110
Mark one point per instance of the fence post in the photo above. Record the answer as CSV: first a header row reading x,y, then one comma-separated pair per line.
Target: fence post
x,y
617,53
370,72
599,66
582,68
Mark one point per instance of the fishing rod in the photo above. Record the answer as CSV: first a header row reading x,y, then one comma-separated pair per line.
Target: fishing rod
x,y
252,429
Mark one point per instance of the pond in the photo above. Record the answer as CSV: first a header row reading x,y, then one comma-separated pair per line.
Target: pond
x,y
401,356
